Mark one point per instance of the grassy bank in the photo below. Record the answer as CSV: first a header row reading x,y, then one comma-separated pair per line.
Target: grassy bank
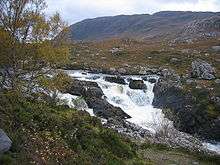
x,y
43,133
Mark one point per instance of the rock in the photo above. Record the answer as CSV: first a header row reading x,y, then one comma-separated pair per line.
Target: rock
x,y
147,71
85,89
105,110
94,77
152,80
175,61
115,51
95,100
202,70
129,129
190,82
137,84
122,71
5,142
216,100
118,80
93,92
80,104
149,79
112,70
184,110
216,48
217,81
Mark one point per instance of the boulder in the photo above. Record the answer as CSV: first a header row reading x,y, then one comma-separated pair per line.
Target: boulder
x,y
175,61
149,79
85,89
5,142
118,80
115,51
137,84
217,81
102,108
122,71
202,70
80,104
93,92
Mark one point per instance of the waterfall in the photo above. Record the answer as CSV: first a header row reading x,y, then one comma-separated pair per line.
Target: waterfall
x,y
136,103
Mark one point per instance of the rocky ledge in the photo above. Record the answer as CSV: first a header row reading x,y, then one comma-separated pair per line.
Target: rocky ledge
x,y
189,110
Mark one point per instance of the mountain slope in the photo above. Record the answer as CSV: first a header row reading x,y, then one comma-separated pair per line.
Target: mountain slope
x,y
166,24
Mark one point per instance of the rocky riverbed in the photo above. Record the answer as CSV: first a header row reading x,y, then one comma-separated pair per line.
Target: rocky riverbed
x,y
131,111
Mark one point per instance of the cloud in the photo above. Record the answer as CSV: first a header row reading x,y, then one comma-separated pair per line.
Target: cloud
x,y
77,10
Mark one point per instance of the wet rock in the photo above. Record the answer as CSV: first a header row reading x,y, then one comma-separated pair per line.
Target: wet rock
x,y
185,110
129,129
202,70
149,79
137,84
152,80
95,100
94,77
85,89
93,92
80,104
5,142
105,110
118,80
174,138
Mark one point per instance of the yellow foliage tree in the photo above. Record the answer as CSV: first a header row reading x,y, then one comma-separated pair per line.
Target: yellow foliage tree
x,y
29,46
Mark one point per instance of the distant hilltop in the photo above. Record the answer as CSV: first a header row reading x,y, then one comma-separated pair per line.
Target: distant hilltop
x,y
173,25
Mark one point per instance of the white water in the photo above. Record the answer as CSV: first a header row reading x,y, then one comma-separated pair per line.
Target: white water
x,y
136,103
68,100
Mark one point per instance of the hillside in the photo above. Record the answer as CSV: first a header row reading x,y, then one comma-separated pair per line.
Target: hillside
x,y
161,25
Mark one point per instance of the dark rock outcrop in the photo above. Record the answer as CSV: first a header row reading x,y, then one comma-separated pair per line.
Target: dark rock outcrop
x,y
187,110
149,79
5,142
202,70
85,89
137,84
118,80
95,99
105,110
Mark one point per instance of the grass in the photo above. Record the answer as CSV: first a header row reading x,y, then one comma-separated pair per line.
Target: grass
x,y
138,53
48,134
43,133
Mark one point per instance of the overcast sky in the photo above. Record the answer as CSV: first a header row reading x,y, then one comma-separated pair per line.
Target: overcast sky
x,y
77,10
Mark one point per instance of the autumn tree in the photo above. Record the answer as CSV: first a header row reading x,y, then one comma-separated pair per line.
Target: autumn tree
x,y
29,46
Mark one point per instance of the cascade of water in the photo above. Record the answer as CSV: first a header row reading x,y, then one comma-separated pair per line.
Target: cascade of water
x,y
136,103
